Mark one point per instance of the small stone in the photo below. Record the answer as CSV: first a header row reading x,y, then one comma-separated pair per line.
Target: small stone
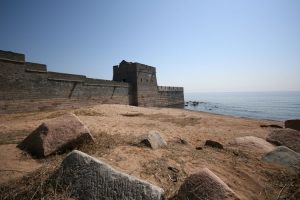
x,y
89,178
56,136
199,148
213,144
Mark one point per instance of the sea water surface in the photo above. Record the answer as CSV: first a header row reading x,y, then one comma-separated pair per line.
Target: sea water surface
x,y
259,105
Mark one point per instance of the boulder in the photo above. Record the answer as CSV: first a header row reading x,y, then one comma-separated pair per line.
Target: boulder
x,y
283,156
89,178
213,144
293,124
56,136
286,137
153,140
204,185
253,144
199,148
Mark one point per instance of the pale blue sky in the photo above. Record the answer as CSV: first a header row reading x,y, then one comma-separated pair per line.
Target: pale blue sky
x,y
212,45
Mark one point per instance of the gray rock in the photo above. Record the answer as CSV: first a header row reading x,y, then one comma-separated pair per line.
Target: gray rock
x,y
90,178
56,135
205,185
293,124
153,140
283,156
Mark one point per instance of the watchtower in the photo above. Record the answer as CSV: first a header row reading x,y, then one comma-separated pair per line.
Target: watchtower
x,y
143,89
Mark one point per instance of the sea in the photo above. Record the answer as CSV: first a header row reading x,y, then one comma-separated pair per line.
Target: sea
x,y
279,106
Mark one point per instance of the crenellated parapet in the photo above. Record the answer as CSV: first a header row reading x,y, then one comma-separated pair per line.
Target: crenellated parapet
x,y
12,56
170,88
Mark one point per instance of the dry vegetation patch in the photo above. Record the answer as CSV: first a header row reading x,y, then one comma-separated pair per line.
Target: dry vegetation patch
x,y
40,184
88,112
181,121
13,137
105,143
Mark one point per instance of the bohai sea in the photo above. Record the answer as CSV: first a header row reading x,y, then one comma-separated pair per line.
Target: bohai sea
x,y
259,105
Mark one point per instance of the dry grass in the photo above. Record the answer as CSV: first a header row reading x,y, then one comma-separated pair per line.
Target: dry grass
x,y
87,112
13,137
104,143
40,184
178,121
56,114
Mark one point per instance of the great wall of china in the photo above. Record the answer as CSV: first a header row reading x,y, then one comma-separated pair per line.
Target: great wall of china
x,y
27,87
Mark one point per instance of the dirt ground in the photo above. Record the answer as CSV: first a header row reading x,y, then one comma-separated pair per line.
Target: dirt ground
x,y
116,128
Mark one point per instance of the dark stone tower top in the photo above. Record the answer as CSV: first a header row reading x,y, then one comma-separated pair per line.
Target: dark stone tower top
x,y
136,73
142,79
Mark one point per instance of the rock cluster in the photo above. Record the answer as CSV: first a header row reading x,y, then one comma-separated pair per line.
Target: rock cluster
x,y
287,152
85,176
288,142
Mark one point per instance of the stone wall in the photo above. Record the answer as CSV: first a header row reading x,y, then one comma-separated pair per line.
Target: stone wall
x,y
170,96
7,55
146,86
30,87
26,87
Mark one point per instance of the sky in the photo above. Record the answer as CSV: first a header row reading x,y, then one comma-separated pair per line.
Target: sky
x,y
202,45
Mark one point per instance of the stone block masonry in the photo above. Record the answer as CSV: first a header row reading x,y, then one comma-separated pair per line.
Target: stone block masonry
x,y
27,87
144,89
7,55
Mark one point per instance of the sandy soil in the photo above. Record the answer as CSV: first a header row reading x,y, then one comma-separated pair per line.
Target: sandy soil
x,y
116,128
